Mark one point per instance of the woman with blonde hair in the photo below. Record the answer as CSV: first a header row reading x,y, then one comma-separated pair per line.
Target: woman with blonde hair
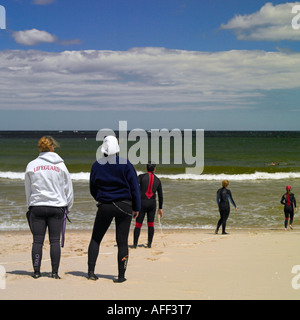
x,y
223,197
49,196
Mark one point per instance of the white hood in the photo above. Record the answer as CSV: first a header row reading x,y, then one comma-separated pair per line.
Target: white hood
x,y
51,157
110,146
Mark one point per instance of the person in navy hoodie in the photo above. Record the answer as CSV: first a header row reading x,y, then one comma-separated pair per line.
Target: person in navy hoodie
x,y
114,185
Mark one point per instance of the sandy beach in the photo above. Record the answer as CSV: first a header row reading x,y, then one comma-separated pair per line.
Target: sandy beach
x,y
182,264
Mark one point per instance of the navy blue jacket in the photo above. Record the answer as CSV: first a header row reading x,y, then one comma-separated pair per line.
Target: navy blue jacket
x,y
115,182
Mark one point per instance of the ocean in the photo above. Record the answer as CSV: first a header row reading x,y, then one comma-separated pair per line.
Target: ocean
x,y
257,164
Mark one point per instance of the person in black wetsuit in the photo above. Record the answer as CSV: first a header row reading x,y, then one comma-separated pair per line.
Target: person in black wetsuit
x,y
223,197
289,201
149,185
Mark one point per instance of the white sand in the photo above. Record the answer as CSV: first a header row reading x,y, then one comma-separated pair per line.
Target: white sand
x,y
182,264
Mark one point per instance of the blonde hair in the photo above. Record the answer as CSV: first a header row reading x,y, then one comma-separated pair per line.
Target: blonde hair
x,y
46,142
225,183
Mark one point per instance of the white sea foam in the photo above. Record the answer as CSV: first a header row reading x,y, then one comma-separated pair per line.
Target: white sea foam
x,y
12,175
85,176
21,175
233,177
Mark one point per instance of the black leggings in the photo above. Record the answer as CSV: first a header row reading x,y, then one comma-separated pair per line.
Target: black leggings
x,y
289,214
122,212
224,214
147,207
42,217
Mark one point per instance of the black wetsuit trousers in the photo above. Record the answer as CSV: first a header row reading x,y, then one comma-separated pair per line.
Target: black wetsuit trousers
x,y
122,212
224,214
289,214
148,206
42,217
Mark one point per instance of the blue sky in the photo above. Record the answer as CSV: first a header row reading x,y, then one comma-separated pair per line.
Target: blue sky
x,y
87,64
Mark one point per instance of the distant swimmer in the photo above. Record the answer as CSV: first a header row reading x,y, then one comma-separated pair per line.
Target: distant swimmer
x,y
289,201
274,164
223,197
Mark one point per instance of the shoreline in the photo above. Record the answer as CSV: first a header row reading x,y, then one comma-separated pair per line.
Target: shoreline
x,y
169,230
181,265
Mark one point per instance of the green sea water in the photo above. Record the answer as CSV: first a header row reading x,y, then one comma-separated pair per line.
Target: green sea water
x,y
244,158
224,152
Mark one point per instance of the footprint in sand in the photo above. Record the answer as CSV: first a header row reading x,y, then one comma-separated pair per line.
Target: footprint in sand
x,y
152,259
155,253
79,252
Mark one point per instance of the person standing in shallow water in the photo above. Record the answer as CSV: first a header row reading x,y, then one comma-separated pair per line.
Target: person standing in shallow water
x,y
223,197
289,201
149,186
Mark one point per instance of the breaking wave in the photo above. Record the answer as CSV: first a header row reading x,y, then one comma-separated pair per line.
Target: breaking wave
x,y
84,176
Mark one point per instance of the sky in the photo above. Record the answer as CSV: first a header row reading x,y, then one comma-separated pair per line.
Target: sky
x,y
187,64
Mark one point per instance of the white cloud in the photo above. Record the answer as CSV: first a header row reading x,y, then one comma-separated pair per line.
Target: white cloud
x,y
270,23
33,37
142,79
